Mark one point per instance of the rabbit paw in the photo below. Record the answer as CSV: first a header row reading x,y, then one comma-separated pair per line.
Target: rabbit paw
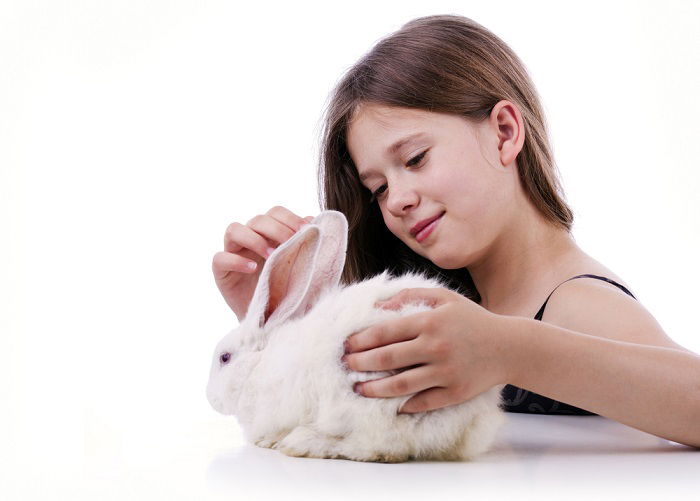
x,y
271,441
266,442
304,441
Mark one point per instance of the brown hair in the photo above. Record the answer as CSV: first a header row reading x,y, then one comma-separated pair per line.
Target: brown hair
x,y
447,64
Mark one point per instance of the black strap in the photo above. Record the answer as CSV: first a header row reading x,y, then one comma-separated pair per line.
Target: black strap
x,y
541,312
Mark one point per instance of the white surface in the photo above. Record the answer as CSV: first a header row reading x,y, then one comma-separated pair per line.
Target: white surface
x,y
535,457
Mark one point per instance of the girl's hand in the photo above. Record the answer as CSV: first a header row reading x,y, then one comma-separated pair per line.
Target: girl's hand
x,y
452,353
251,244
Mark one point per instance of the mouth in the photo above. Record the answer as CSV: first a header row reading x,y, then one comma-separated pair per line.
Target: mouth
x,y
421,225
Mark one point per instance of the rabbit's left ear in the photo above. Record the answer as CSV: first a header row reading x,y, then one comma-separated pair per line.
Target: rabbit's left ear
x,y
300,269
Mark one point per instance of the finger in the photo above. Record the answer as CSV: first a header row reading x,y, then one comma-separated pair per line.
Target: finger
x,y
387,332
224,263
239,237
287,217
428,400
431,296
394,356
404,383
273,229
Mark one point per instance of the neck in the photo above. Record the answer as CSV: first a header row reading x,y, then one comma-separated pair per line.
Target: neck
x,y
526,256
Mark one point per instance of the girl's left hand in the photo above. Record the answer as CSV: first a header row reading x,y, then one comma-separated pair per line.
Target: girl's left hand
x,y
452,353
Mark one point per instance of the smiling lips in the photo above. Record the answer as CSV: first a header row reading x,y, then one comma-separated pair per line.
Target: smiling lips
x,y
423,228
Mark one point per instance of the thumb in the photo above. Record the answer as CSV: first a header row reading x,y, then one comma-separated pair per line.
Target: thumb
x,y
432,296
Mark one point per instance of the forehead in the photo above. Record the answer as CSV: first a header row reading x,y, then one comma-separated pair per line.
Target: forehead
x,y
374,129
387,118
378,132
373,126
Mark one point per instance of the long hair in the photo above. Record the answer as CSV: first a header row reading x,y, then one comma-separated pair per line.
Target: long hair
x,y
447,64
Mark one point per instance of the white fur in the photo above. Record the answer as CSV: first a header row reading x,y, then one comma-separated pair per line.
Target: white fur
x,y
289,390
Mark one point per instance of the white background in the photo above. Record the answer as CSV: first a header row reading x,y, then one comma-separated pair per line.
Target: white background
x,y
132,133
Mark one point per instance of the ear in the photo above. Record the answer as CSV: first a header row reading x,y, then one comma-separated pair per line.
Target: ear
x,y
299,270
332,249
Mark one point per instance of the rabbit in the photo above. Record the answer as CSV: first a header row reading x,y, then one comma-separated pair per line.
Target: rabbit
x,y
280,371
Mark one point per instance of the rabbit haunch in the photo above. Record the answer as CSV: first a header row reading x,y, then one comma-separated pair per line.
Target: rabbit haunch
x,y
291,391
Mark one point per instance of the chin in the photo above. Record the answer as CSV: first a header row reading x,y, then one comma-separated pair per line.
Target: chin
x,y
449,264
444,262
450,260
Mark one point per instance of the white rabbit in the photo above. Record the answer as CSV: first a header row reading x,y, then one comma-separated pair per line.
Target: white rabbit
x,y
280,371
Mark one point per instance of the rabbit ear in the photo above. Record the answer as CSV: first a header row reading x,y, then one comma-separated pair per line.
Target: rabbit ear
x,y
300,269
333,247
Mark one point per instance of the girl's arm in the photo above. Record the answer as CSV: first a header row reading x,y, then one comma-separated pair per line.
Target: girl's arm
x,y
596,348
611,358
651,388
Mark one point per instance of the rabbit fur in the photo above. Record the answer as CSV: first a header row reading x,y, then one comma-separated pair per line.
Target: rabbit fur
x,y
286,384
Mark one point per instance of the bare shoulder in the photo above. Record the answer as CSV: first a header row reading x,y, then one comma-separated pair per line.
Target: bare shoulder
x,y
595,307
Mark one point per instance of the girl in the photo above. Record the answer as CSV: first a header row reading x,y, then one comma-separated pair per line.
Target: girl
x,y
435,148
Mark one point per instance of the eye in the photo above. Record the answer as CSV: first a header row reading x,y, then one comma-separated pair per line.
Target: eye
x,y
415,160
376,194
224,358
411,163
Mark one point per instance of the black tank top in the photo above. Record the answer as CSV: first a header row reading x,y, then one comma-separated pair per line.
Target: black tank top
x,y
518,400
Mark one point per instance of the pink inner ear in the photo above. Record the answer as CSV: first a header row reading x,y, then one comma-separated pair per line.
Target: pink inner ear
x,y
285,273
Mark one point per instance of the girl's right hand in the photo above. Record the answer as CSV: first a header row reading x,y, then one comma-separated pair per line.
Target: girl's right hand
x,y
251,243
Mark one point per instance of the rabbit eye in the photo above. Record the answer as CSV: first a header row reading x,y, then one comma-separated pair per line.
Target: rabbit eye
x,y
225,357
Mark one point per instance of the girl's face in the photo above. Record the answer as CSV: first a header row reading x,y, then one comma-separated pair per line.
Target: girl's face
x,y
422,165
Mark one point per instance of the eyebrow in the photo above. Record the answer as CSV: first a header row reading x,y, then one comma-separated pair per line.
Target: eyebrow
x,y
394,148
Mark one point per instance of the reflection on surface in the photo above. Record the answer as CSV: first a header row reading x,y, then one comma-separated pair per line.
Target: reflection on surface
x,y
531,451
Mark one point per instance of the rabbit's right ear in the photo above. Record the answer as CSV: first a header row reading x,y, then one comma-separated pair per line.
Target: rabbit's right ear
x,y
299,270
333,246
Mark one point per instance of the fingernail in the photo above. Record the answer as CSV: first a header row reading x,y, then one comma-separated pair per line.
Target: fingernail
x,y
346,347
357,388
270,250
251,265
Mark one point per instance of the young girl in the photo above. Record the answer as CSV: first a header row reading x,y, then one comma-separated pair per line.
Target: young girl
x,y
435,148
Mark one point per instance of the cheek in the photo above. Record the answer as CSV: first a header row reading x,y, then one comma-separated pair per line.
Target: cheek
x,y
392,224
395,226
497,202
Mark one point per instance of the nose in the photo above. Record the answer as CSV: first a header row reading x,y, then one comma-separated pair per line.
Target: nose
x,y
402,197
